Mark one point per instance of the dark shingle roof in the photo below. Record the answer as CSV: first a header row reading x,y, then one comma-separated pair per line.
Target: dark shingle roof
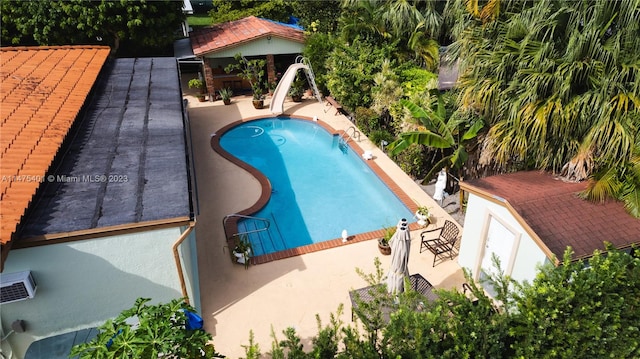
x,y
557,216
127,163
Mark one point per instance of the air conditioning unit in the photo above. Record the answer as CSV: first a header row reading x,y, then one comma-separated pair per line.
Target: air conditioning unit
x,y
17,286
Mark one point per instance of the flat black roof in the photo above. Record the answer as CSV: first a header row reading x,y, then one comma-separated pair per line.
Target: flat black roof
x,y
126,162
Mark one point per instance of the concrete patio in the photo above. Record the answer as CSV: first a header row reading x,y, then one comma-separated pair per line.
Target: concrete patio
x,y
288,292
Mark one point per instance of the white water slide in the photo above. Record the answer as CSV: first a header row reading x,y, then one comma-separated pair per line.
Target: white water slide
x,y
282,89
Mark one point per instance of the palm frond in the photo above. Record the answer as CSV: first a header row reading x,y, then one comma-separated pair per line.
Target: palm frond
x,y
603,185
490,11
401,16
580,166
631,199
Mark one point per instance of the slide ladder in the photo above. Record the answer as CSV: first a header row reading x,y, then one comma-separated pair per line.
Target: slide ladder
x,y
311,78
282,89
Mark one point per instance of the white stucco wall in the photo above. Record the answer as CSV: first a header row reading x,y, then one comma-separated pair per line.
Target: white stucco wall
x,y
261,47
528,255
83,283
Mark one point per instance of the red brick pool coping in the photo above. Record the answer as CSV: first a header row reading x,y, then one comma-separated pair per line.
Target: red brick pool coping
x,y
231,226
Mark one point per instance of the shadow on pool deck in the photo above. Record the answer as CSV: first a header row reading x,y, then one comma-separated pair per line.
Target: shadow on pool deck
x,y
291,291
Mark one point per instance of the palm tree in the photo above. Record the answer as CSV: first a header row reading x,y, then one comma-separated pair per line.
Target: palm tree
x,y
415,23
401,17
425,48
361,18
559,84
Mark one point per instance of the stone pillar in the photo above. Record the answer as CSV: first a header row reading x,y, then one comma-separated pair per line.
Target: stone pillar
x,y
271,69
208,78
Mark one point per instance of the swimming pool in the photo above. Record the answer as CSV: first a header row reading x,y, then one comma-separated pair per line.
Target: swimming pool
x,y
319,186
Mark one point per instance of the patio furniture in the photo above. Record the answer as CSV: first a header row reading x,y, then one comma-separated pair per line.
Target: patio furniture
x,y
444,242
367,294
331,101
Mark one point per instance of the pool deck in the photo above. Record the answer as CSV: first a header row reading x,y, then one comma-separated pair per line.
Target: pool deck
x,y
288,292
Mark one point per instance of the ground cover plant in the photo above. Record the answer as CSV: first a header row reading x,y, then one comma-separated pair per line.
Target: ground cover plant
x,y
166,330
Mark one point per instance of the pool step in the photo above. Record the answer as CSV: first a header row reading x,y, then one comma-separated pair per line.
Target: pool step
x,y
262,242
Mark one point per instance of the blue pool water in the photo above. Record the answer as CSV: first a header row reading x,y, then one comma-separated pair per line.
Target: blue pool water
x,y
319,186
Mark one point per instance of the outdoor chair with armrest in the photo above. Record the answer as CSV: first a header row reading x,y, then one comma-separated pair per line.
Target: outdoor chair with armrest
x,y
444,242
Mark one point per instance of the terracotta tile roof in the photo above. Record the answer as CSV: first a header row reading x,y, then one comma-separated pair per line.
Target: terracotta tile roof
x,y
234,33
556,215
41,91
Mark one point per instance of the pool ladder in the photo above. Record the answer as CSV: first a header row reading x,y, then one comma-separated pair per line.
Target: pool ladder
x,y
236,215
345,135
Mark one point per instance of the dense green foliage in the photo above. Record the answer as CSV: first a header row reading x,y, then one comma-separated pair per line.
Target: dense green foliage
x,y
367,120
318,15
141,23
230,10
314,15
317,47
351,70
390,19
580,309
417,81
160,333
587,309
414,160
559,84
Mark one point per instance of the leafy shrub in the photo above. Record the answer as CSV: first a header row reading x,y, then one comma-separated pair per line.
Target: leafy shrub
x,y
367,120
351,69
163,331
318,15
387,89
316,50
416,80
413,161
580,309
378,136
230,10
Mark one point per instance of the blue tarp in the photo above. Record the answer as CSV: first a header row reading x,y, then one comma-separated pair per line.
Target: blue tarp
x,y
194,321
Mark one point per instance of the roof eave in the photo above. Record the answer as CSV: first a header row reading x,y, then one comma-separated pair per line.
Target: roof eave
x,y
55,238
245,41
505,203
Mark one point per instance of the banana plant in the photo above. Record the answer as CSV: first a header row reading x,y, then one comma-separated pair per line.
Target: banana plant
x,y
439,130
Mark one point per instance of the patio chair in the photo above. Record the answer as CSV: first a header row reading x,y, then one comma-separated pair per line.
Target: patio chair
x,y
444,242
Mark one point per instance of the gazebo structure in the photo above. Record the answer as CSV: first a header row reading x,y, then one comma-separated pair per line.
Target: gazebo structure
x,y
253,37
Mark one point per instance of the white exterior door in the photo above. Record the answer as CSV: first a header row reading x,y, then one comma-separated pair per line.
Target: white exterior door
x,y
501,242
